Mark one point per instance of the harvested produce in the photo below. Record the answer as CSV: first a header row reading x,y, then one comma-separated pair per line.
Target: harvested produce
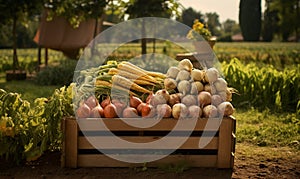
x,y
195,111
180,110
110,111
225,108
164,111
172,72
97,112
83,111
125,90
185,64
204,98
189,100
210,111
130,112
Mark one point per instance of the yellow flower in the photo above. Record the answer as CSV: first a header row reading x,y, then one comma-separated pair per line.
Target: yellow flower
x,y
199,30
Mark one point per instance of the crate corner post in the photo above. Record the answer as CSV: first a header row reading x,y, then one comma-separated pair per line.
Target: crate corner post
x,y
70,140
226,143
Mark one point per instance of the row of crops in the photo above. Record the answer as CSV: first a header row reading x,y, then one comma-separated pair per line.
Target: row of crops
x,y
280,55
264,87
27,130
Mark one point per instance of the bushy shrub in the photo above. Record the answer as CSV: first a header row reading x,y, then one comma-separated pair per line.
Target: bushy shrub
x,y
59,74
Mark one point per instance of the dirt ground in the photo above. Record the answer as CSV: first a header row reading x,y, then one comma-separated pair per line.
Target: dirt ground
x,y
250,162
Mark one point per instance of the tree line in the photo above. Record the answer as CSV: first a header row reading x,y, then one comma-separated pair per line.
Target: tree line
x,y
279,21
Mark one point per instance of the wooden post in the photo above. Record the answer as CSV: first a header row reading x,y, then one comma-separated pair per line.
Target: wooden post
x,y
70,143
46,56
225,144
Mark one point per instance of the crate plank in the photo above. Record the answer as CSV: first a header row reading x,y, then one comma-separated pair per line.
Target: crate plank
x,y
71,138
225,144
191,142
105,161
164,124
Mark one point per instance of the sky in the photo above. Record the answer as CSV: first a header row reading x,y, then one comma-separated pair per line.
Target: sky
x,y
226,9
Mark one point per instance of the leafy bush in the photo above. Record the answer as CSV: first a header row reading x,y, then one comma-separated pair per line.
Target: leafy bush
x,y
61,74
27,130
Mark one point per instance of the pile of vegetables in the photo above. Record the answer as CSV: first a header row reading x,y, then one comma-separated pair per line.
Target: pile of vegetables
x,y
125,90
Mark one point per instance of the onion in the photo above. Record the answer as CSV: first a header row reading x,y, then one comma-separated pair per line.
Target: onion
x,y
183,75
174,98
197,75
105,102
210,88
210,111
172,72
120,106
149,97
189,100
91,102
170,83
164,93
110,111
185,64
204,98
184,87
97,112
225,108
130,112
220,84
211,75
179,110
223,95
164,110
196,87
216,99
140,107
157,100
195,111
146,110
83,111
134,101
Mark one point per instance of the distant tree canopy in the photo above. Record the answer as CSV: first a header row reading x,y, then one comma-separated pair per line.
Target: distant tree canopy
x,y
150,8
75,11
213,23
15,11
282,17
189,15
250,19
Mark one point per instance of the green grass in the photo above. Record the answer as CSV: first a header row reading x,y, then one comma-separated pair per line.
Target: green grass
x,y
29,90
267,128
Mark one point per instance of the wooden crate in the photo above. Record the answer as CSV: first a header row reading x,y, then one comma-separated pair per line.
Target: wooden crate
x,y
218,153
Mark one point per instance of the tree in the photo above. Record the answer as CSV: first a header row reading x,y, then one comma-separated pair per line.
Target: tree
x,y
288,15
270,22
150,8
213,23
230,27
15,11
189,15
250,19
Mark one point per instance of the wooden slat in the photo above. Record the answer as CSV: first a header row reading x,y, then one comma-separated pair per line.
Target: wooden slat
x,y
71,137
225,144
164,124
105,161
63,150
191,142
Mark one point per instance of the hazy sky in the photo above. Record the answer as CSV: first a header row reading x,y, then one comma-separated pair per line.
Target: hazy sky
x,y
226,9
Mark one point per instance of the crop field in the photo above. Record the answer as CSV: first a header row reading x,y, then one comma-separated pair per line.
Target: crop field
x,y
265,76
